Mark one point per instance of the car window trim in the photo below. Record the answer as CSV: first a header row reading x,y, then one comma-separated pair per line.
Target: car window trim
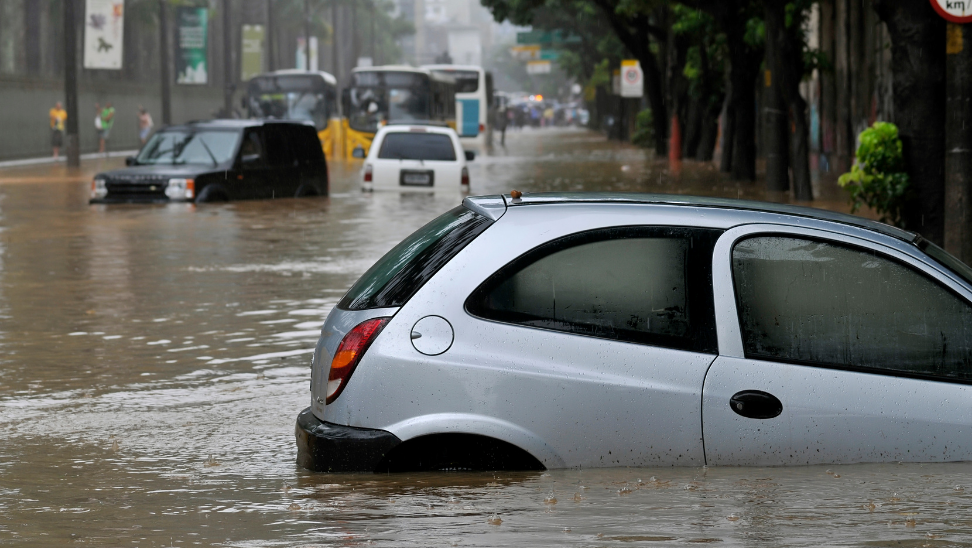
x,y
851,242
567,241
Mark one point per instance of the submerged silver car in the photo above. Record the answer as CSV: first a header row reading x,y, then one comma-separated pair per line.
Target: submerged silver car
x,y
579,330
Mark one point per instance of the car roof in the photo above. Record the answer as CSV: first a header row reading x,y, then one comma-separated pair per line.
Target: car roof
x,y
391,68
417,127
327,76
470,68
225,123
494,206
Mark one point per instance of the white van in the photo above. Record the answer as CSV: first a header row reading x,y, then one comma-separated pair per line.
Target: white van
x,y
415,157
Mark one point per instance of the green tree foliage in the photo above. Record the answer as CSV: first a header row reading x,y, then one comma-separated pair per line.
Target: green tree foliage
x,y
644,133
878,179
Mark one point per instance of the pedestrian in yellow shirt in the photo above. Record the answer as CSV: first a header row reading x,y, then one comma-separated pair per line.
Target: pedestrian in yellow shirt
x,y
58,118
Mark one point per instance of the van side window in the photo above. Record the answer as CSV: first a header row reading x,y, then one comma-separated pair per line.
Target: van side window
x,y
251,151
829,304
646,285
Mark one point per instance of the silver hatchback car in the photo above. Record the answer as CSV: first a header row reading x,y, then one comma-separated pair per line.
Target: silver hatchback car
x,y
583,330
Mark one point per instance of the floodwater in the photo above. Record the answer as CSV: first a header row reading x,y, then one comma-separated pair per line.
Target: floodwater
x,y
153,360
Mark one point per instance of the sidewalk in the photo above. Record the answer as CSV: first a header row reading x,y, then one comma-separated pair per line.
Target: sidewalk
x,y
62,159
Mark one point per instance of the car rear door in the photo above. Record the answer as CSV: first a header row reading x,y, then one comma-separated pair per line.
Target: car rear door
x,y
595,342
283,174
254,179
835,349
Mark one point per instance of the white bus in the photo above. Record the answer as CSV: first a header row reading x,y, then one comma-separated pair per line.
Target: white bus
x,y
474,98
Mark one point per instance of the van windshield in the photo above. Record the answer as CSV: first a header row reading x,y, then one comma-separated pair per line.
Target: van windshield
x,y
404,270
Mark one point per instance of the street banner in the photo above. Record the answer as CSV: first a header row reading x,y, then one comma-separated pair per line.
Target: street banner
x,y
632,79
954,11
192,59
252,58
104,29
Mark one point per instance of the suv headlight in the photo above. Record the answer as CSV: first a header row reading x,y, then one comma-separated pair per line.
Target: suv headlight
x,y
98,188
181,189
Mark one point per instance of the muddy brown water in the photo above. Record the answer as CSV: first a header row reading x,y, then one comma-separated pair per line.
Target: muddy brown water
x,y
153,360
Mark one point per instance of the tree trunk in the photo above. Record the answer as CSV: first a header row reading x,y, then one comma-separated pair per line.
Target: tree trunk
x,y
656,101
742,103
709,134
800,149
918,57
791,70
728,133
775,123
693,127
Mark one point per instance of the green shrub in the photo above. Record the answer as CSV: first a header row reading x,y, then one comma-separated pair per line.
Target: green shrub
x,y
878,177
644,133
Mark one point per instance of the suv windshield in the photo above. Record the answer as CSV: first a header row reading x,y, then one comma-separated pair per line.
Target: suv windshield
x,y
176,147
417,146
404,270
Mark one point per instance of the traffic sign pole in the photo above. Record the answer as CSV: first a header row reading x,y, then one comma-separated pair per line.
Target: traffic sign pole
x,y
958,132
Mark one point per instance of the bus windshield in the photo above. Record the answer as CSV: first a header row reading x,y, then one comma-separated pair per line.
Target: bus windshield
x,y
376,97
467,81
302,98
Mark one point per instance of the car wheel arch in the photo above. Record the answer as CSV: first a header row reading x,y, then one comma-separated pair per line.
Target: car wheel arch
x,y
212,193
479,425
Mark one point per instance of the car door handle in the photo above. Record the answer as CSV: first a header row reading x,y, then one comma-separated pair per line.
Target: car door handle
x,y
755,404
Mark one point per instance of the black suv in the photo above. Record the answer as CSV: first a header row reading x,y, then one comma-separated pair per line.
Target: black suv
x,y
220,160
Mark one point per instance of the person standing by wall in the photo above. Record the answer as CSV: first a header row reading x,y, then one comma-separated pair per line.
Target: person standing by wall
x,y
107,120
97,125
58,117
145,124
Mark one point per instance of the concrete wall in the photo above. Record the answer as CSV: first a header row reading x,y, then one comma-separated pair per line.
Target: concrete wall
x,y
24,104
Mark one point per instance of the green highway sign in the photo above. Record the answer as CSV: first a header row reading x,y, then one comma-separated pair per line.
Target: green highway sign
x,y
546,37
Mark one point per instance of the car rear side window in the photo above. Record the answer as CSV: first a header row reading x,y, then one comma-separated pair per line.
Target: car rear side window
x,y
404,270
824,303
648,285
417,146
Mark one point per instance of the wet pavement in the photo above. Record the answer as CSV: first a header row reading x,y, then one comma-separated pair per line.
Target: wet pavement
x,y
153,360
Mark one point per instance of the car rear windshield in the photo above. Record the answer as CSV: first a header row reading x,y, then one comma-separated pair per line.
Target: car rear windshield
x,y
417,146
404,270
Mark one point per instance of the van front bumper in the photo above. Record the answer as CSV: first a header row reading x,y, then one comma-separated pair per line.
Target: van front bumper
x,y
327,447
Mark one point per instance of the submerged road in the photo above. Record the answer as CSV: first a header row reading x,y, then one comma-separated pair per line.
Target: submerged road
x,y
153,359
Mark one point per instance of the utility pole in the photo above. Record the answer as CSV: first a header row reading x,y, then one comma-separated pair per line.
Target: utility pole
x,y
307,40
164,62
334,43
958,141
227,61
271,62
71,84
374,54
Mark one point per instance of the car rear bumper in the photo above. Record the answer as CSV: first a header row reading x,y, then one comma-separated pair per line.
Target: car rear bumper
x,y
326,447
134,200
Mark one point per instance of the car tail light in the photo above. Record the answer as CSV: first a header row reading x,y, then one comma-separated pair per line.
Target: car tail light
x,y
367,173
482,128
465,176
349,353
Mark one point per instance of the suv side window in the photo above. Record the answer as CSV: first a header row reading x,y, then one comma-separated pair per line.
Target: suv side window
x,y
808,301
647,285
252,150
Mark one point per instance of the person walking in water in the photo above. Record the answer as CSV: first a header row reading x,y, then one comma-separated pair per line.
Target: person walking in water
x,y
58,118
107,120
145,124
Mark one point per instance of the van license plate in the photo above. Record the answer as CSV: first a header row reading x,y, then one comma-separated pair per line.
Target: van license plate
x,y
417,178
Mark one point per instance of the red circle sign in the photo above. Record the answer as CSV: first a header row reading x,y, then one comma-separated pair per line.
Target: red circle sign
x,y
956,11
631,75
